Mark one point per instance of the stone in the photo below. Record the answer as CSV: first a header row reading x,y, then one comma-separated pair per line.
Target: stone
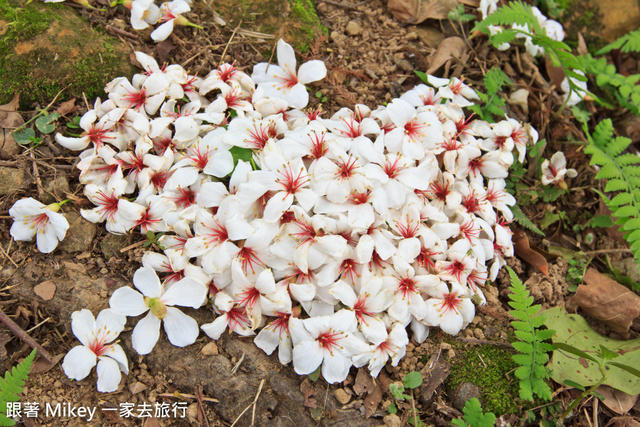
x,y
354,28
11,180
49,47
80,234
210,349
466,390
392,420
341,396
112,243
55,190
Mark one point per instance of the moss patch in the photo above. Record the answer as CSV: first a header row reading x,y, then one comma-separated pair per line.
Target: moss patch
x,y
295,21
48,47
491,369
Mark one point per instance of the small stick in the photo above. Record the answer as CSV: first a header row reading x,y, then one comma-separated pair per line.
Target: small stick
x,y
39,324
20,333
255,400
235,368
135,245
201,406
36,173
8,257
189,396
118,31
230,39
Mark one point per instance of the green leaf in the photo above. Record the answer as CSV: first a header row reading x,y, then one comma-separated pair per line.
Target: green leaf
x,y
573,384
239,153
422,76
11,385
315,374
627,368
413,380
575,339
24,136
45,123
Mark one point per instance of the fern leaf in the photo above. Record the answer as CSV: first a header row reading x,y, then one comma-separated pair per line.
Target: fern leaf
x,y
628,43
11,386
515,12
521,218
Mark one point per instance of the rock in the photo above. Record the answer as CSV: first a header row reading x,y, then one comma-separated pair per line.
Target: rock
x,y
392,420
354,28
11,180
112,243
55,190
210,349
341,396
80,234
627,267
295,21
465,391
48,47
45,290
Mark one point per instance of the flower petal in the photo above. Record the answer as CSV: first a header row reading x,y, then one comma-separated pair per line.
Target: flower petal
x,y
181,329
146,333
108,375
187,292
147,282
78,362
307,356
83,325
128,302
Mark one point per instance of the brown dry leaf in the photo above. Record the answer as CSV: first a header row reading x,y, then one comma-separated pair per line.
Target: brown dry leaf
x,y
30,422
111,413
41,366
472,3
451,47
416,11
67,107
524,251
13,105
607,300
365,384
163,49
45,290
151,422
623,422
617,401
556,74
434,373
582,46
308,390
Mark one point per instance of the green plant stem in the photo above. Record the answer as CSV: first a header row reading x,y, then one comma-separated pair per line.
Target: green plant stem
x,y
41,112
584,394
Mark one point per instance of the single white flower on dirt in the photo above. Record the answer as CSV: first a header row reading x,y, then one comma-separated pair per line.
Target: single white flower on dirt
x,y
282,80
171,14
393,347
451,310
181,329
32,218
328,341
554,171
95,336
143,14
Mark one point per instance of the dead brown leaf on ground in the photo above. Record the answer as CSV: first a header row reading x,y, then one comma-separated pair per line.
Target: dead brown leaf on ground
x,y
617,401
623,422
45,290
450,48
67,107
365,384
607,300
416,11
308,391
41,366
523,250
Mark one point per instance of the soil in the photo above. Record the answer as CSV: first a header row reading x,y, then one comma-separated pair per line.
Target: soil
x,y
371,57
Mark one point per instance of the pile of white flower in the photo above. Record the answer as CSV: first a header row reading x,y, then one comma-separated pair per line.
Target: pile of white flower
x,y
323,237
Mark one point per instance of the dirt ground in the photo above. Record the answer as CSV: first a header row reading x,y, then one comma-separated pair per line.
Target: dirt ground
x,y
371,57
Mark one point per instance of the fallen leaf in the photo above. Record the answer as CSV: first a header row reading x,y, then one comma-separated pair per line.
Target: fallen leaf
x,y
582,46
606,300
416,11
12,105
372,401
137,387
523,250
41,366
164,48
556,74
364,382
619,402
623,422
45,290
435,371
308,390
67,107
151,422
451,47
30,422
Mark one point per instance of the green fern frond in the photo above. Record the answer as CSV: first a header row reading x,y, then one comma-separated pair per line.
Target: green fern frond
x,y
11,386
628,43
473,416
533,355
516,12
622,170
521,218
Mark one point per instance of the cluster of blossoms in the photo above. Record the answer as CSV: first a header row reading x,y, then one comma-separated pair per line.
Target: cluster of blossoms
x,y
146,13
554,30
325,238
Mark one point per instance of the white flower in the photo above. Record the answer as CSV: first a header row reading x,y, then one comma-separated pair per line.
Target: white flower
x,y
170,15
95,336
181,329
577,94
451,310
554,171
32,218
282,81
328,341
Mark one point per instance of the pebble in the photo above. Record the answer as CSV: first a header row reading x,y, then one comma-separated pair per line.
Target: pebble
x,y
466,390
354,28
341,396
104,270
57,384
392,420
477,332
445,346
411,35
451,353
210,349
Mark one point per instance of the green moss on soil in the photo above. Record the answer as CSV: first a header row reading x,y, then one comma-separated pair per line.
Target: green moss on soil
x,y
495,379
295,21
47,48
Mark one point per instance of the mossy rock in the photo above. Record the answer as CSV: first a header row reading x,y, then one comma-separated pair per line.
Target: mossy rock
x,y
46,47
295,21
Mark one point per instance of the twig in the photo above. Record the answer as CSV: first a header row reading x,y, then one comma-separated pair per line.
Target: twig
x,y
41,111
595,412
8,257
608,251
118,31
135,245
235,368
235,30
189,396
201,406
39,324
255,400
20,333
36,174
